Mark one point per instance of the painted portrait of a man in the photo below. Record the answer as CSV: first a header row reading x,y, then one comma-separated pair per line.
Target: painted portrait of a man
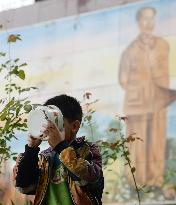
x,y
144,76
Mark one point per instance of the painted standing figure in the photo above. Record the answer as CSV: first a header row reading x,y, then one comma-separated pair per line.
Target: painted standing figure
x,y
144,75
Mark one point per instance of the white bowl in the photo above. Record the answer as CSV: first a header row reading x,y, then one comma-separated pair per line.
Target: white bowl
x,y
40,116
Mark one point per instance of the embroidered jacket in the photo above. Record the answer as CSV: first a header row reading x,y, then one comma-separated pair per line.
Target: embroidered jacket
x,y
81,161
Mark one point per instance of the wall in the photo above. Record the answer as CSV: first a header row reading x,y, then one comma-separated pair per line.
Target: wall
x,y
54,9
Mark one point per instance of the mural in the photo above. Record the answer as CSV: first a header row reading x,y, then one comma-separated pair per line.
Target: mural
x,y
144,75
125,57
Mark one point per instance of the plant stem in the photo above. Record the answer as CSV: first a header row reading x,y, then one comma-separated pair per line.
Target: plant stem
x,y
10,68
2,157
134,179
91,129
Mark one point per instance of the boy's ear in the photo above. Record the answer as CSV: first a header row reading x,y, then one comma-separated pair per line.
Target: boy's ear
x,y
75,126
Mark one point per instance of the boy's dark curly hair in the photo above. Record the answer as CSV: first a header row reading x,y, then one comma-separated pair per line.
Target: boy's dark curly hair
x,y
69,106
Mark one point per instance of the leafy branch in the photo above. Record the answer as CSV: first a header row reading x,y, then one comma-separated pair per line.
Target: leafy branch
x,y
13,106
87,120
112,150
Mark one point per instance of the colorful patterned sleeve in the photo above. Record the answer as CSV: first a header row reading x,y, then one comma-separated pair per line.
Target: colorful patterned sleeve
x,y
82,166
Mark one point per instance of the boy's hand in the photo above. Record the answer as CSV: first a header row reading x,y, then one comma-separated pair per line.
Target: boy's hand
x,y
53,134
33,142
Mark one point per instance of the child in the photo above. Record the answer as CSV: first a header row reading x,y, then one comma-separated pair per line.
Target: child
x,y
69,172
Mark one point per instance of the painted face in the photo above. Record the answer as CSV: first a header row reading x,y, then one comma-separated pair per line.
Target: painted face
x,y
147,21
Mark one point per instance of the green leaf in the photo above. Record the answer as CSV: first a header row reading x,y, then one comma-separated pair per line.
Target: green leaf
x,y
2,150
25,89
14,158
7,125
24,64
3,65
3,143
36,105
10,103
14,153
24,130
8,61
18,111
21,74
16,60
3,116
27,102
89,118
2,54
18,37
34,88
15,71
27,108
